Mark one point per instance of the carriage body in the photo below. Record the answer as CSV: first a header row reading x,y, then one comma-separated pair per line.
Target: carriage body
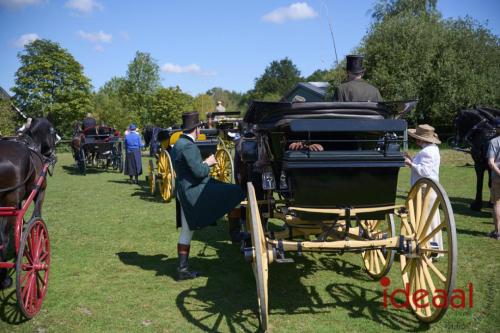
x,y
101,146
358,167
341,197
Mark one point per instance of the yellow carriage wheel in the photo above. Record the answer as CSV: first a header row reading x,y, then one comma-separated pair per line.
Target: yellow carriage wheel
x,y
431,266
151,177
223,170
166,176
260,262
378,262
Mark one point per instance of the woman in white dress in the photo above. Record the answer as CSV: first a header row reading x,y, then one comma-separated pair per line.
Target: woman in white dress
x,y
426,164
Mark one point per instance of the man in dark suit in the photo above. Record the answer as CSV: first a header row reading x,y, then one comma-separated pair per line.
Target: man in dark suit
x,y
89,122
200,199
355,89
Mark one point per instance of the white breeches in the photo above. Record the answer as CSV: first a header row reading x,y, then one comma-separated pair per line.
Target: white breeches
x,y
186,234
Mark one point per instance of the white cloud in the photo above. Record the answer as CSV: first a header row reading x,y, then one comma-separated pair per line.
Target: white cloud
x,y
190,69
26,39
96,37
84,6
296,11
14,4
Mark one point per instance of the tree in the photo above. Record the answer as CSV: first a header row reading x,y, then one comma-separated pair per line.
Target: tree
x,y
278,78
110,104
50,83
168,104
143,79
8,119
446,64
230,99
203,103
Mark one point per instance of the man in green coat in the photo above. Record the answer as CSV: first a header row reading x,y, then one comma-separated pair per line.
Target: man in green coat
x,y
201,200
355,89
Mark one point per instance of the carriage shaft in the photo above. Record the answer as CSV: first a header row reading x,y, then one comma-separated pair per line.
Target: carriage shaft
x,y
333,246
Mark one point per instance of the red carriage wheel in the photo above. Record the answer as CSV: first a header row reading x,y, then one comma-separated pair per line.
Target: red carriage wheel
x,y
32,267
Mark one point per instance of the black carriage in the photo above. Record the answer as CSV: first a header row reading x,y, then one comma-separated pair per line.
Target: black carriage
x,y
342,197
101,147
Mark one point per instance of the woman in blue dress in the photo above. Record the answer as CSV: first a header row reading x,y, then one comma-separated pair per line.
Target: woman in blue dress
x,y
133,163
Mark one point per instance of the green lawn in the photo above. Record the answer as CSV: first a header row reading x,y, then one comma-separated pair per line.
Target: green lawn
x,y
114,263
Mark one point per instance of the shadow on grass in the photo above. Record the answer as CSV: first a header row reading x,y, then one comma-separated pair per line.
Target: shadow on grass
x,y
9,311
462,206
141,190
73,170
228,300
360,302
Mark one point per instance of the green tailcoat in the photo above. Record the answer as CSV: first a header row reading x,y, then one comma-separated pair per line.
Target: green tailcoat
x,y
203,199
357,90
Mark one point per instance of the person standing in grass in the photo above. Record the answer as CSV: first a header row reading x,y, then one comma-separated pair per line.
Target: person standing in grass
x,y
494,163
426,164
200,200
133,162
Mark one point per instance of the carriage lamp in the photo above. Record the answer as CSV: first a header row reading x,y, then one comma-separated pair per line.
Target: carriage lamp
x,y
283,181
268,182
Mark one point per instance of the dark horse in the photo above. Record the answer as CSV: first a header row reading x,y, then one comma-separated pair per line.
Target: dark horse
x,y
21,162
474,129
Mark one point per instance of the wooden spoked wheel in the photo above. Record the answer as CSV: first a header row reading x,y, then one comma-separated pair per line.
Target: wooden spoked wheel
x,y
378,262
166,176
260,262
151,177
432,264
32,267
223,170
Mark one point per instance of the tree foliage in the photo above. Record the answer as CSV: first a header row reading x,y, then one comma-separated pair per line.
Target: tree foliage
x,y
278,78
8,119
143,80
110,104
230,99
50,83
203,103
411,52
168,104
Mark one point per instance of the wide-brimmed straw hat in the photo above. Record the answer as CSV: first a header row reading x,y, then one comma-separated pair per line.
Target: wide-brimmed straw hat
x,y
425,133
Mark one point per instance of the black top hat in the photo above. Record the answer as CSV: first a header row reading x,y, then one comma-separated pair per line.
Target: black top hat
x,y
190,120
355,64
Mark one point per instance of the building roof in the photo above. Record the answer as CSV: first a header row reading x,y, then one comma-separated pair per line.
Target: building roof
x,y
312,91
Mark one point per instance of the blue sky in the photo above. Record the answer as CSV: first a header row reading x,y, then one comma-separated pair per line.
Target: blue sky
x,y
199,44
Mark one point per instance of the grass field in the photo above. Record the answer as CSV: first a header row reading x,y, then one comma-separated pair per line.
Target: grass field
x,y
114,262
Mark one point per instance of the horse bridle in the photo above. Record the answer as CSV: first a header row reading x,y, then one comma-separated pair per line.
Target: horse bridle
x,y
484,120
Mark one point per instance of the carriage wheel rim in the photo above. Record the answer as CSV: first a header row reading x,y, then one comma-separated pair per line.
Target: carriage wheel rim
x,y
166,173
223,170
32,267
152,177
419,272
377,264
260,263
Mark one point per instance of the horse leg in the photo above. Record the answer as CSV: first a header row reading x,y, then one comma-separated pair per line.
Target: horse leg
x,y
39,202
477,204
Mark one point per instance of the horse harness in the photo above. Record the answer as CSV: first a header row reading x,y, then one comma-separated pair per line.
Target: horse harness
x,y
31,151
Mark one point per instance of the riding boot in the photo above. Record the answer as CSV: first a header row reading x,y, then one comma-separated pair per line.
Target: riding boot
x,y
183,273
